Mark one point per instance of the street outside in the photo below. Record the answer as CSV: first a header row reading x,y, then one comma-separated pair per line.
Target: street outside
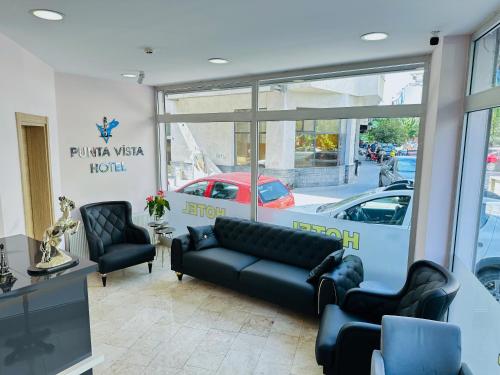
x,y
367,179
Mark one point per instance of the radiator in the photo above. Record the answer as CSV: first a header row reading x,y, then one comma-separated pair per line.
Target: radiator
x,y
77,245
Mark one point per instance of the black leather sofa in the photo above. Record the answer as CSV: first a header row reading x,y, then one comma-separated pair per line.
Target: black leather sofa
x,y
115,242
270,262
350,332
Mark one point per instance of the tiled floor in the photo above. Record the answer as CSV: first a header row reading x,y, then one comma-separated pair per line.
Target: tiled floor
x,y
152,324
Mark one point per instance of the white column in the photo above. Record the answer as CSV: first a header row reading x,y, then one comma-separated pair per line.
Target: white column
x,y
439,151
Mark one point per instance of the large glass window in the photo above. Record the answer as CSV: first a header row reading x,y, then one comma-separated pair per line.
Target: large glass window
x,y
330,154
209,101
203,176
486,65
476,260
359,188
392,88
476,253
316,143
242,142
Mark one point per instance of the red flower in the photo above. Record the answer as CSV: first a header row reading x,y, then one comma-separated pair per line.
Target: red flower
x,y
149,199
160,193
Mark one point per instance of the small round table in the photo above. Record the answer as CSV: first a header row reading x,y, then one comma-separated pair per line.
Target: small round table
x,y
165,236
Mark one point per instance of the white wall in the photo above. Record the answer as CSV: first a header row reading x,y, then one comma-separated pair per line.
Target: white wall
x,y
82,102
27,85
440,155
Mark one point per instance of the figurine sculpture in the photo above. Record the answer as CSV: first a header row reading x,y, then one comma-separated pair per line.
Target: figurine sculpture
x,y
53,235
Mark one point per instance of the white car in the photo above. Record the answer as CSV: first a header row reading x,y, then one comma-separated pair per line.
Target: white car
x,y
393,206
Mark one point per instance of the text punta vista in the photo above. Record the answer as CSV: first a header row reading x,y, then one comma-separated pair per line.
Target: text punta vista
x,y
99,152
95,152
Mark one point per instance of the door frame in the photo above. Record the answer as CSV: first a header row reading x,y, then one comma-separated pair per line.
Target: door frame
x,y
25,120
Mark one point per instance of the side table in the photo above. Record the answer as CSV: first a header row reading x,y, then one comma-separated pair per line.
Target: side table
x,y
165,236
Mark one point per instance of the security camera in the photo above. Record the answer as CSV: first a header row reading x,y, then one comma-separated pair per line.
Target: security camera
x,y
434,41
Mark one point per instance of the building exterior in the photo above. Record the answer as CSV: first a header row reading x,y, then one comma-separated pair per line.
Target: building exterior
x,y
301,154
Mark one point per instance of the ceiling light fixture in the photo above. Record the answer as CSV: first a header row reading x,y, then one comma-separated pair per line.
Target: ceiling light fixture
x,y
371,37
46,14
129,75
218,60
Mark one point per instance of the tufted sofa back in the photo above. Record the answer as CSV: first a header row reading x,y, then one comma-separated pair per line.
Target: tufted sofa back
x,y
428,291
286,245
107,220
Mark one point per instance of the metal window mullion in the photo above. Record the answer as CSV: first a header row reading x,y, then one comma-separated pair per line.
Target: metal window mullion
x,y
483,100
388,111
254,152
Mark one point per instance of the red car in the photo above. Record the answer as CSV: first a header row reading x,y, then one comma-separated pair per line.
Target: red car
x,y
492,157
236,186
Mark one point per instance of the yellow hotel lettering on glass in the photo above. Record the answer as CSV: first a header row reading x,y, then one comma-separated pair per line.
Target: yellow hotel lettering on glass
x,y
350,239
203,210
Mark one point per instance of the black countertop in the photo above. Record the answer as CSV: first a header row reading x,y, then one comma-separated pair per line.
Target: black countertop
x,y
23,251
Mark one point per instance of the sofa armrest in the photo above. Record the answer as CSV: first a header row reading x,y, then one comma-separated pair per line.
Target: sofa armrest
x,y
137,234
180,245
334,285
354,347
370,304
96,247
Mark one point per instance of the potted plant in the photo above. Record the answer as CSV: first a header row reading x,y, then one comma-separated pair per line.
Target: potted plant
x,y
157,206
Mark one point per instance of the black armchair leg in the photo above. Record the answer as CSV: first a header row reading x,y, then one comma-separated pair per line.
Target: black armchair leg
x,y
150,266
179,275
103,278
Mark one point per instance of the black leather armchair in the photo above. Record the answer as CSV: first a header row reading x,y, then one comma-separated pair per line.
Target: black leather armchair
x,y
115,242
349,333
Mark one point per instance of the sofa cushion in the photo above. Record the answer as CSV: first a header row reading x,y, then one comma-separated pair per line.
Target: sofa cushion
x,y
203,237
280,283
124,255
327,265
285,245
332,320
216,264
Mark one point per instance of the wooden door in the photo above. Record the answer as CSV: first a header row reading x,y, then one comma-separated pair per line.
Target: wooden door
x,y
34,151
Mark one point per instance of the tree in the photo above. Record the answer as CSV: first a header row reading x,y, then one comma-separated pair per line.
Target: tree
x,y
392,130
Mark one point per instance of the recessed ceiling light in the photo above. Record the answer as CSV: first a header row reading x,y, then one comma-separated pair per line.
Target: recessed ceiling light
x,y
218,60
370,37
129,75
49,15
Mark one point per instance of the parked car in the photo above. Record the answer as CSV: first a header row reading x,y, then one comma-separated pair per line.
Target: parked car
x,y
396,169
491,160
235,186
393,206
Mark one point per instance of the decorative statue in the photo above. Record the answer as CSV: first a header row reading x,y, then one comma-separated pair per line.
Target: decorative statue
x,y
53,235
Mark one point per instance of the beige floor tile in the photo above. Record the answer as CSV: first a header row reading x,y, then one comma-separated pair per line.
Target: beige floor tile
x,y
217,341
189,370
280,349
257,325
249,343
205,360
231,320
271,368
122,368
202,319
153,324
240,363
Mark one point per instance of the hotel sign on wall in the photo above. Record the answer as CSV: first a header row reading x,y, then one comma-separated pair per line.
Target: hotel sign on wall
x,y
105,152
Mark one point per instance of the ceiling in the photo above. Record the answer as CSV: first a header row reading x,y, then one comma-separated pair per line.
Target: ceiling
x,y
106,38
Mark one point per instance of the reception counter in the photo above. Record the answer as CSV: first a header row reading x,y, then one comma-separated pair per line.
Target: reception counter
x,y
44,320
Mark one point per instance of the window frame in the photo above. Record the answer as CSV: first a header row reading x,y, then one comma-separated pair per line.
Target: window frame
x,y
314,133
254,116
487,99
